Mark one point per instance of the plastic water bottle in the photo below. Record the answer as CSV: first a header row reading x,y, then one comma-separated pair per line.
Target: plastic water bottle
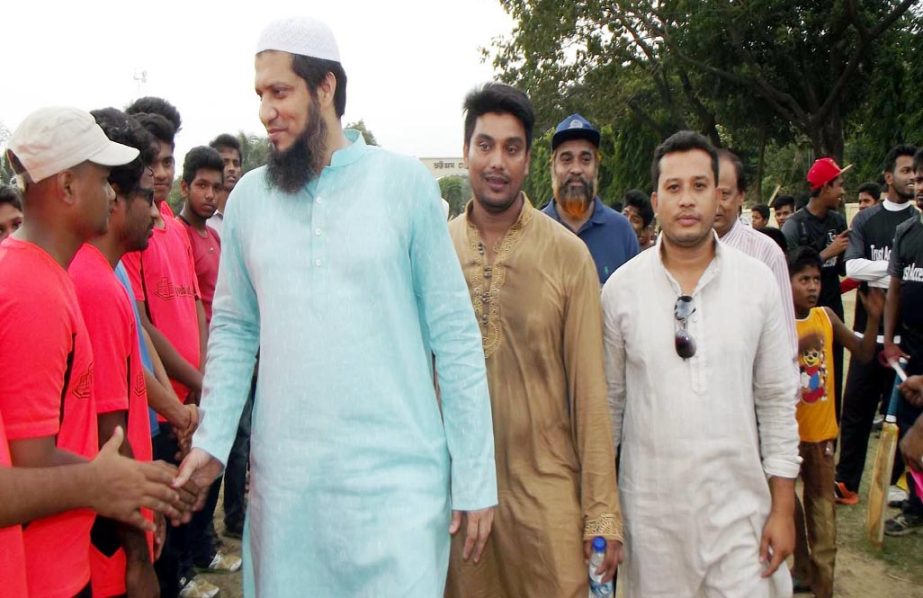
x,y
597,556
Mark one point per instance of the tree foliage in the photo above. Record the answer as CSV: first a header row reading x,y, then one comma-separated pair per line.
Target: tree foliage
x,y
254,151
366,133
756,76
455,189
6,171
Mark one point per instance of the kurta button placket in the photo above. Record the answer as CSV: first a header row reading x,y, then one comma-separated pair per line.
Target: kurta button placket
x,y
318,240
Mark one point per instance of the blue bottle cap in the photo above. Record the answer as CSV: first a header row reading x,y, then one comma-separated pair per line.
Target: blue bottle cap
x,y
599,544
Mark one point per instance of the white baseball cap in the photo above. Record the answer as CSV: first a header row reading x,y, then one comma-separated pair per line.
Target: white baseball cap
x,y
57,138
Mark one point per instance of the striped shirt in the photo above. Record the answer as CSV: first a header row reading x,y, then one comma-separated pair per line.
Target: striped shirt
x,y
759,246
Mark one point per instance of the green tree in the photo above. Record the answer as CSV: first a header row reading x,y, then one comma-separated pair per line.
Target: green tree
x,y
455,189
175,198
366,133
752,76
254,151
6,171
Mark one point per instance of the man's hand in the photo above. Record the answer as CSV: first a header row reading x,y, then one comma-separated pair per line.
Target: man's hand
x,y
476,532
891,352
912,390
201,469
778,541
141,580
124,485
836,247
912,444
186,421
615,553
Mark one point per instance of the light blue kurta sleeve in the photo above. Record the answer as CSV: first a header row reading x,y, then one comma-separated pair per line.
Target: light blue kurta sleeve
x,y
233,339
455,340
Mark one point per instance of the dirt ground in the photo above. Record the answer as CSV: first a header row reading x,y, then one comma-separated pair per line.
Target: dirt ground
x,y
858,576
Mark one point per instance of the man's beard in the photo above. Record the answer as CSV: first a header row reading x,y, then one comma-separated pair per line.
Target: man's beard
x,y
905,192
575,202
290,170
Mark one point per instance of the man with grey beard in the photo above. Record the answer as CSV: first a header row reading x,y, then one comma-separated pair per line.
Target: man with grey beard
x,y
574,180
336,264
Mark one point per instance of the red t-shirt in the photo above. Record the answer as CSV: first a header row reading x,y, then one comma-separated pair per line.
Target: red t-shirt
x,y
206,252
12,553
163,275
118,381
45,356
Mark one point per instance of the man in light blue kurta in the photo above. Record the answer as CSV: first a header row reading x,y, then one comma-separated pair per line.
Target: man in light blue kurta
x,y
348,285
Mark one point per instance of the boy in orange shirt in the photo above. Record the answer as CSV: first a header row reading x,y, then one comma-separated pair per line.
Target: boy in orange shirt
x,y
818,328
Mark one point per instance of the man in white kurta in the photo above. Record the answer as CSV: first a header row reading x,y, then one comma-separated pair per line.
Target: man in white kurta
x,y
347,287
699,436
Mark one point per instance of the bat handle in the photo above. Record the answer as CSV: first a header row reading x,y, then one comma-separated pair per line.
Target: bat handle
x,y
898,370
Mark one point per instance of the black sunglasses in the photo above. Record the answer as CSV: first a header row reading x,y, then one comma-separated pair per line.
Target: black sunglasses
x,y
685,344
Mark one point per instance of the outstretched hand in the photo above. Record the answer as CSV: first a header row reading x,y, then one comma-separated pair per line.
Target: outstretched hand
x,y
196,474
124,486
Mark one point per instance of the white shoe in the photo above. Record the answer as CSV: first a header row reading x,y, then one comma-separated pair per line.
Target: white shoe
x,y
199,588
896,496
222,563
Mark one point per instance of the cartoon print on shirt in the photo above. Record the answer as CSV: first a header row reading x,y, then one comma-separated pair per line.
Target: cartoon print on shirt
x,y
813,373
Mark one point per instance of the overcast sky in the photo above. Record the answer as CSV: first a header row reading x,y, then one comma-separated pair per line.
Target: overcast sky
x,y
409,62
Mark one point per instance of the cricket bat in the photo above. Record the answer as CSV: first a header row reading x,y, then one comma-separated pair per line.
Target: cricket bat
x,y
884,465
913,477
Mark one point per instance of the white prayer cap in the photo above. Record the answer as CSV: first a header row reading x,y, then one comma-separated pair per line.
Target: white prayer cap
x,y
300,35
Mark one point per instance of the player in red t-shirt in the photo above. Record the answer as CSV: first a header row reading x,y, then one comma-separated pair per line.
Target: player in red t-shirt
x,y
12,554
166,288
119,553
46,371
112,485
201,185
163,278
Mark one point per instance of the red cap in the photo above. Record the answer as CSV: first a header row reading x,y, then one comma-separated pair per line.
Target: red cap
x,y
823,171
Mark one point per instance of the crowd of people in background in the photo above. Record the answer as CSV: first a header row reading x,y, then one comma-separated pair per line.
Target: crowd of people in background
x,y
427,408
132,357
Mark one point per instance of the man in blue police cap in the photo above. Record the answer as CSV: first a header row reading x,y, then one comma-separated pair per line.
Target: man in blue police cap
x,y
574,182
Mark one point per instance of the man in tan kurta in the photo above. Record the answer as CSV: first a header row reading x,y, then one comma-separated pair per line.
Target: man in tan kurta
x,y
536,297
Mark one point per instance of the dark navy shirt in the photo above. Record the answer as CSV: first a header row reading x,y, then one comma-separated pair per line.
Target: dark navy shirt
x,y
906,263
607,234
871,235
